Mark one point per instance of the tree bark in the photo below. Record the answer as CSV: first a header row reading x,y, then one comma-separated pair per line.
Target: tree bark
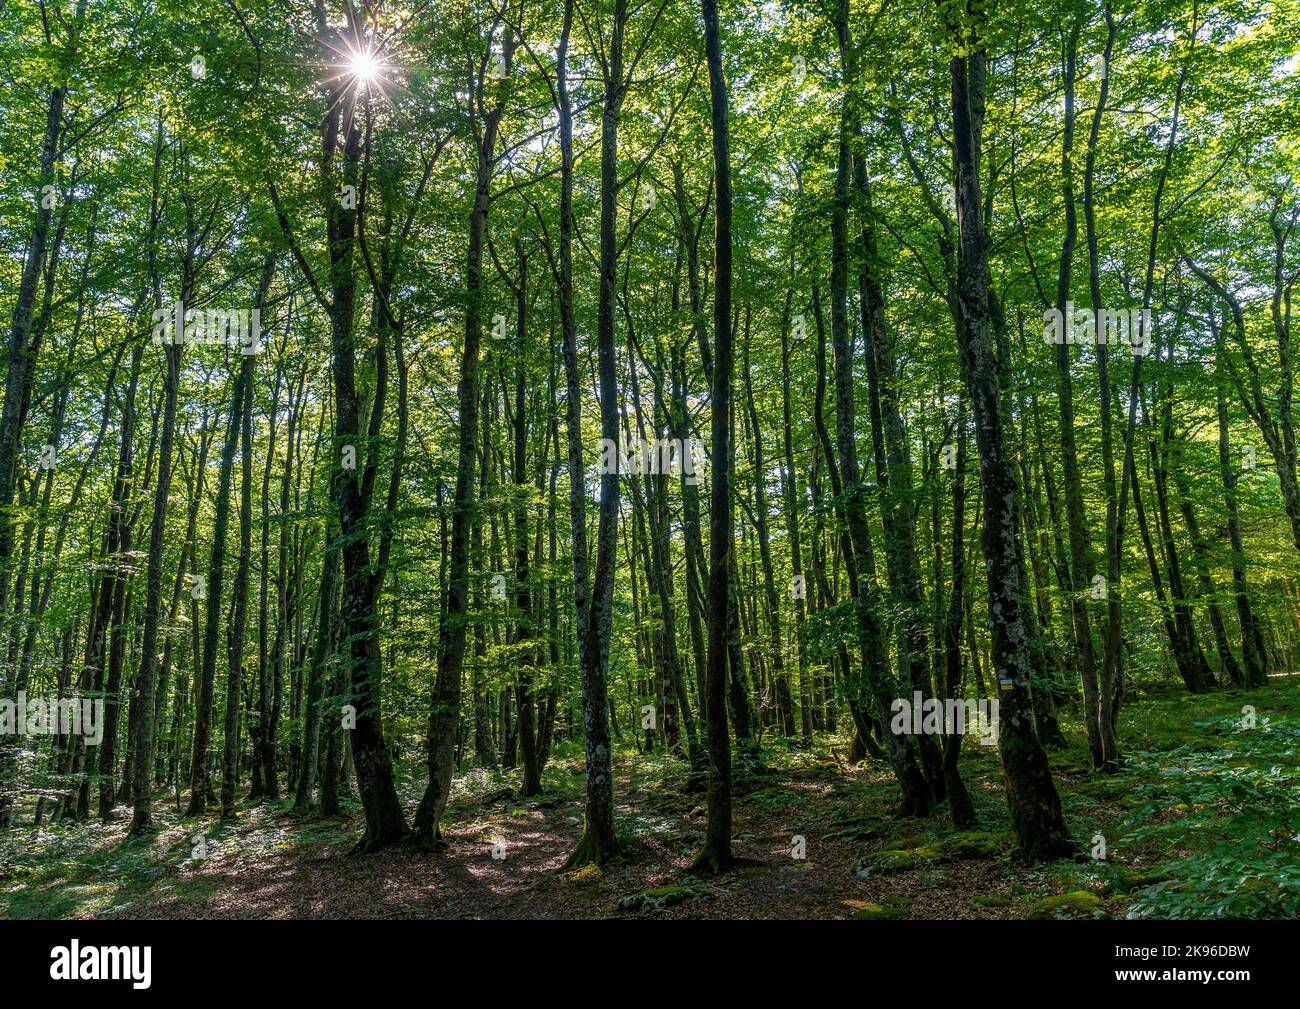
x,y
1034,805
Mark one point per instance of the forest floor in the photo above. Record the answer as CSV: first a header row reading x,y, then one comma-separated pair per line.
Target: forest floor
x,y
1201,822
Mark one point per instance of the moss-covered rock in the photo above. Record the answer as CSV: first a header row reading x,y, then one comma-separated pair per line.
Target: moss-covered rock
x,y
885,863
915,851
660,898
974,844
1079,904
858,828
890,907
990,900
819,770
1131,882
586,875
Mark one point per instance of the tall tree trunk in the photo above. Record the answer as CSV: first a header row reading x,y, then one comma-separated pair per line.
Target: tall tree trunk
x,y
1254,654
790,492
22,359
598,843
1080,562
784,700
525,625
1031,796
234,671
715,853
881,686
315,712
212,582
959,801
444,715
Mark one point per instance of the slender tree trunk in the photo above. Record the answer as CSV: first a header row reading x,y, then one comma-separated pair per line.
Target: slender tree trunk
x,y
715,853
1034,805
960,805
598,843
1080,562
234,672
880,687
525,626
784,700
790,493
444,715
315,713
211,583
22,360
